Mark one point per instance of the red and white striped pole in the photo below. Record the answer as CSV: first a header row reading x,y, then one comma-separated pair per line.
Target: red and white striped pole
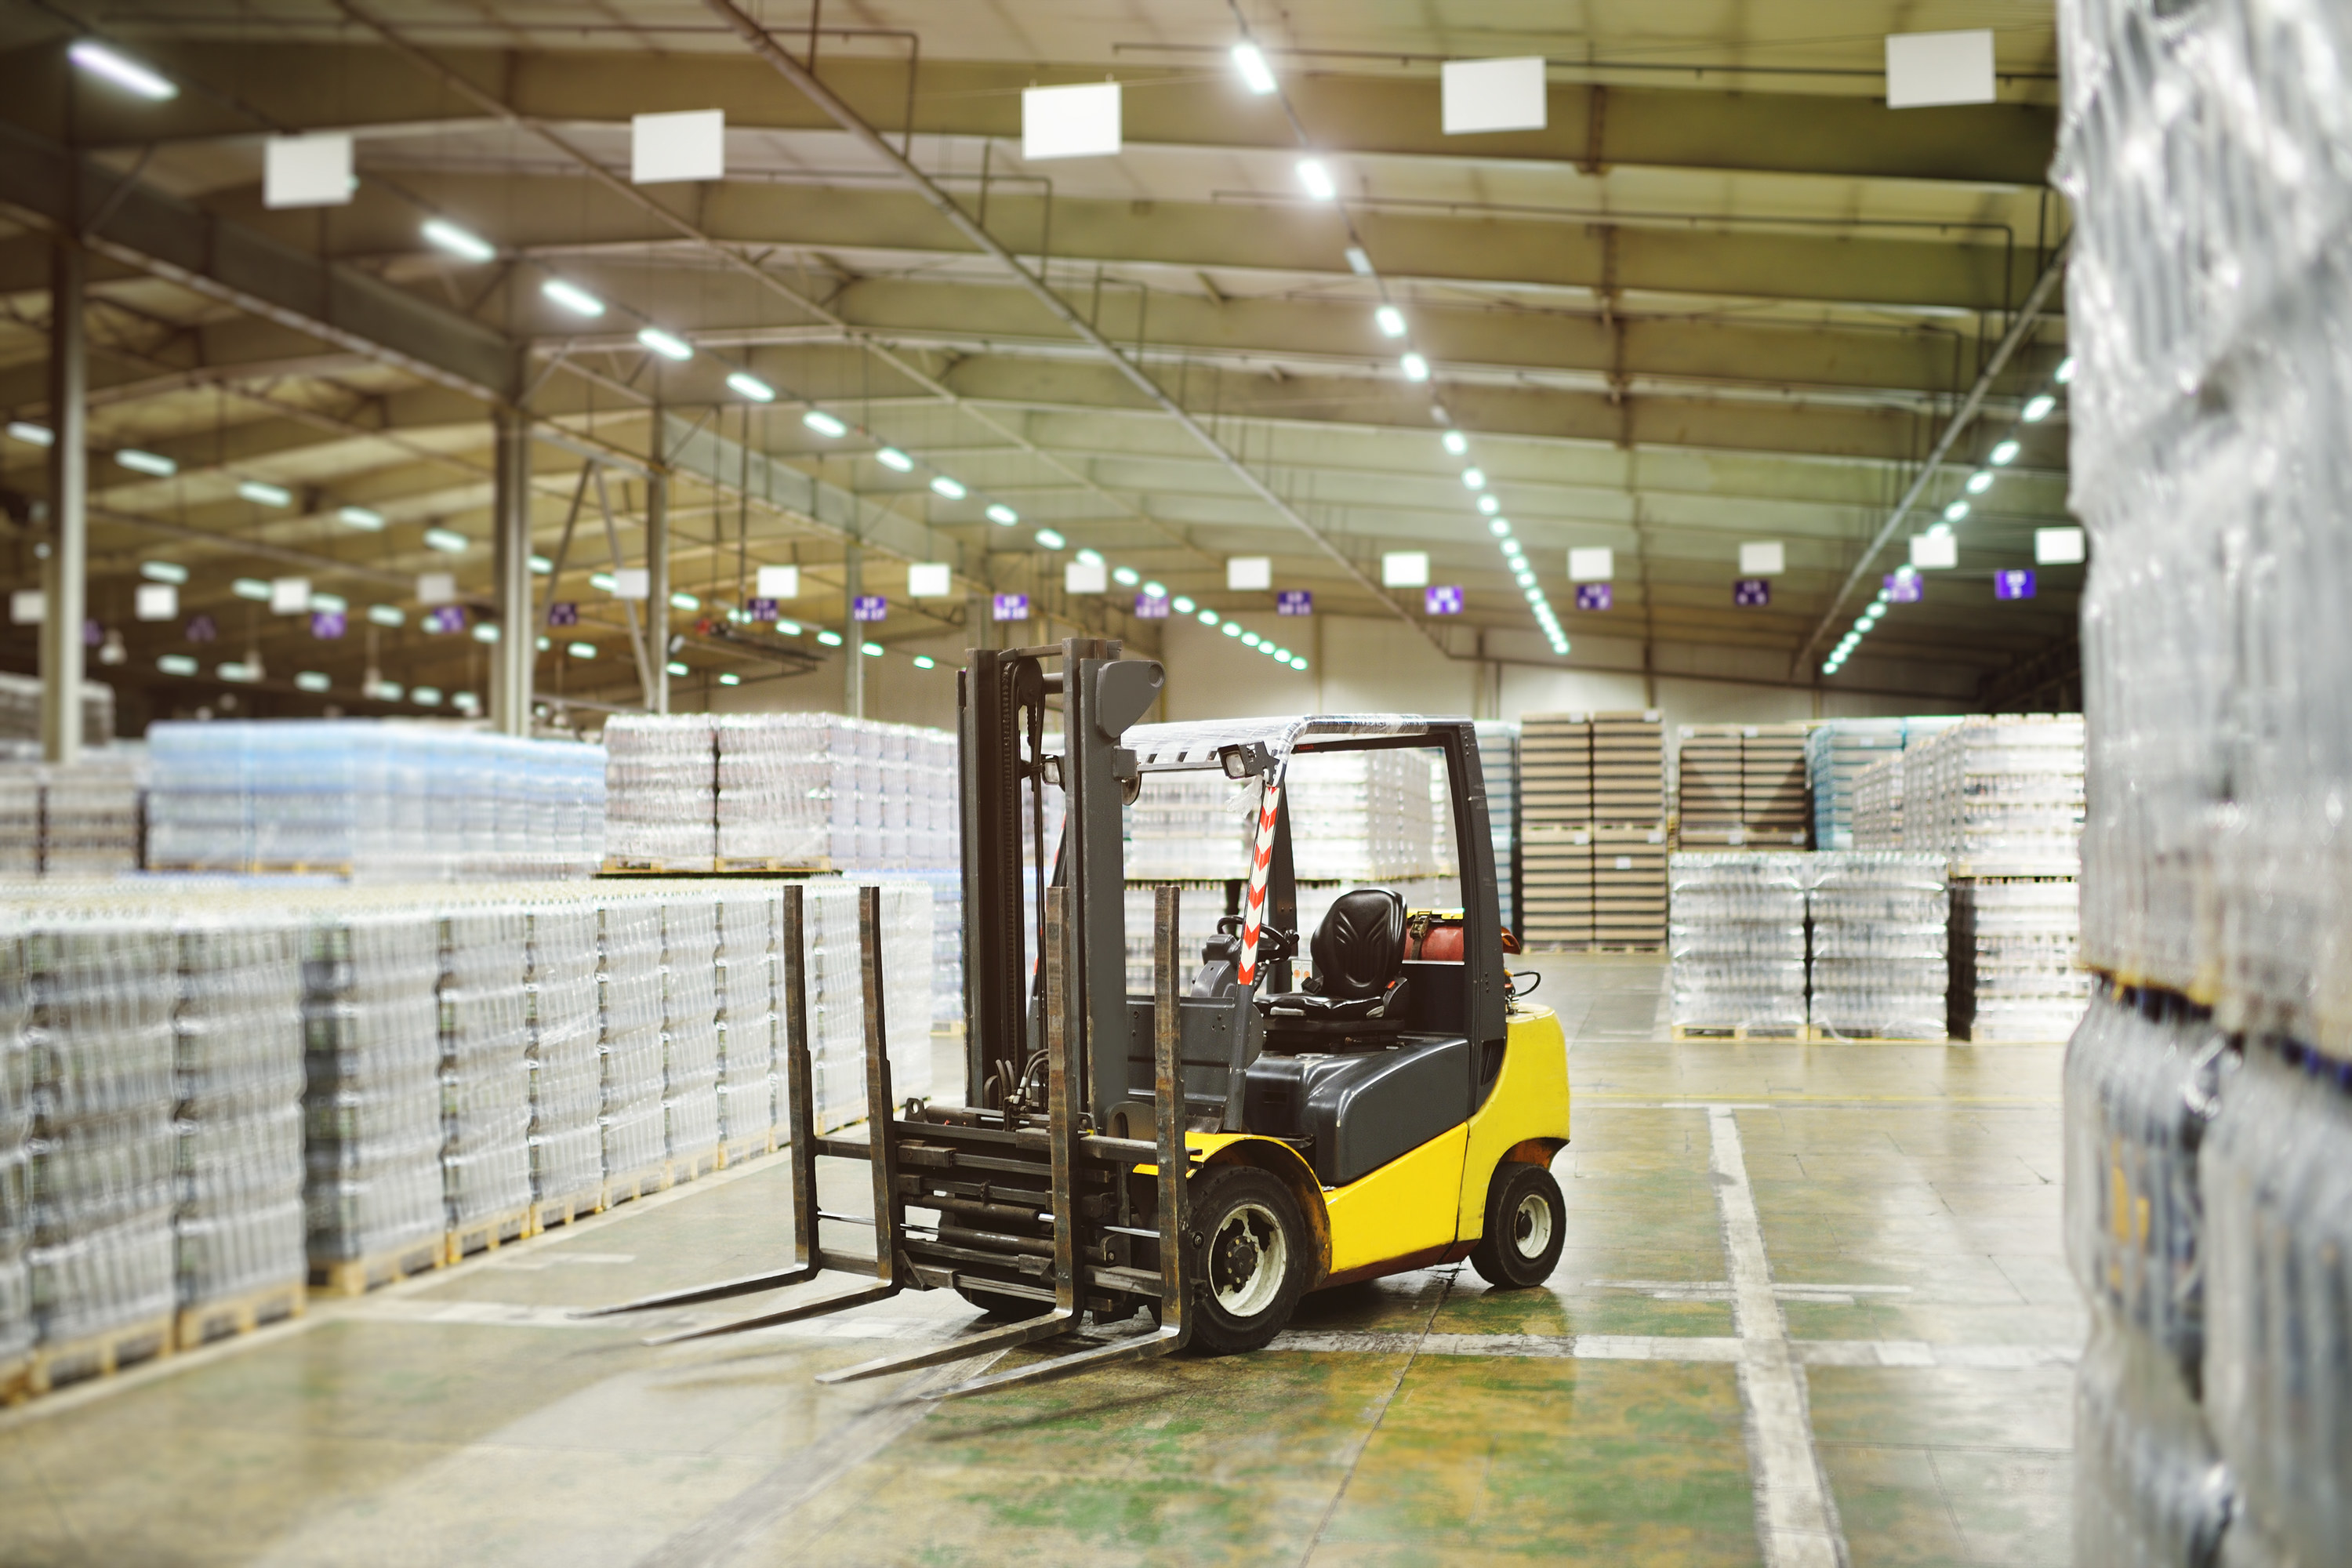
x,y
1253,907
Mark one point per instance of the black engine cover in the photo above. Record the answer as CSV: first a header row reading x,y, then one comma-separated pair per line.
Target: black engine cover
x,y
1362,1109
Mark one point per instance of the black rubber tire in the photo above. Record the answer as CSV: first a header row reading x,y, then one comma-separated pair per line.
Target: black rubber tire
x,y
997,1306
1237,1210
1502,1256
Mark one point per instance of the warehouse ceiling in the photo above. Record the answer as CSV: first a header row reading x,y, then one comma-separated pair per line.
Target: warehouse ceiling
x,y
1726,296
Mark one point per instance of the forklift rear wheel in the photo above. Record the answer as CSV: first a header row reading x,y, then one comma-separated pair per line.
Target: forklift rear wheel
x,y
997,1306
1524,1228
1249,1259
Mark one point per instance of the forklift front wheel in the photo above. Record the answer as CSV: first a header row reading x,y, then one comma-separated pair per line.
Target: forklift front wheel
x,y
1249,1259
1525,1231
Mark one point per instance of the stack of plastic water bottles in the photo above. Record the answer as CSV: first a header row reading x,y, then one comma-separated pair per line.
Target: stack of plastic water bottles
x,y
485,1062
560,990
1877,967
16,1327
1736,941
629,1039
690,1025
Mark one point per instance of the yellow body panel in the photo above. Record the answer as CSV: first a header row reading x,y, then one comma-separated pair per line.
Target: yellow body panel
x,y
1435,1196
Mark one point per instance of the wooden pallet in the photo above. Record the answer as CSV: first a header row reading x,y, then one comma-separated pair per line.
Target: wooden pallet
x,y
487,1235
683,1168
1739,1032
746,1147
747,866
1820,1035
240,1314
548,1211
619,865
636,1184
358,1276
97,1355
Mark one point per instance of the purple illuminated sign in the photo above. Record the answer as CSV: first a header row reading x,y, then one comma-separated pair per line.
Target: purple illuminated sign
x,y
563,612
1012,606
446,618
1593,596
327,625
1749,592
764,610
1444,601
1151,606
201,629
2014,583
1903,588
869,607
1295,602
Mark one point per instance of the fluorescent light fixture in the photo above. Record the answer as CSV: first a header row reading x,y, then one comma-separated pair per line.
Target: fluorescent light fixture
x,y
424,695
572,298
1473,478
1207,617
870,649
457,242
1050,539
1358,262
667,344
891,457
252,588
825,424
1763,558
1415,367
788,628
235,670
925,661
603,582
1940,530
486,631
751,386
1391,324
154,463
1090,558
1002,515
1257,75
1488,505
1155,590
1183,604
262,494
99,60
1317,178
1296,662
1979,481
163,572
448,541
1873,613
2037,408
156,602
30,433
541,566
580,650
1457,443
1126,576
685,601
729,678
946,487
1231,629
2064,373
1956,510
1511,548
675,667
1251,639
2004,454
830,638
176,664
386,614
1861,624
1499,527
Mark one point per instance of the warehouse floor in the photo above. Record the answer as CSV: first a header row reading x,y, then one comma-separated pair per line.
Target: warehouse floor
x,y
1904,1201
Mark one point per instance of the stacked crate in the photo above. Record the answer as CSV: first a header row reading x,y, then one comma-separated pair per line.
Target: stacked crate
x,y
1740,786
1592,840
1555,829
1707,786
1498,768
1772,785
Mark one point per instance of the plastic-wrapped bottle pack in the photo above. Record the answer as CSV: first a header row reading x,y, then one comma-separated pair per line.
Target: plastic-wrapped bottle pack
x,y
16,1326
629,1022
560,999
690,1024
238,1052
748,994
485,1062
1877,966
660,773
2150,1491
103,1146
1735,941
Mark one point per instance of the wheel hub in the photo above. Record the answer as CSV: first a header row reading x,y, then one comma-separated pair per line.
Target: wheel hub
x,y
1531,1226
1248,1257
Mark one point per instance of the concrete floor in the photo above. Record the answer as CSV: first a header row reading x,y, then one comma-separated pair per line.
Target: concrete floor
x,y
1812,1310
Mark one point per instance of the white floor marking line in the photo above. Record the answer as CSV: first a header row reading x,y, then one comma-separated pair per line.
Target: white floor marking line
x,y
1796,1522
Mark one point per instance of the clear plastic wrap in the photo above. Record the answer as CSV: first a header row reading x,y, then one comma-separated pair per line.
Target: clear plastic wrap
x,y
485,1062
2149,1490
559,1000
690,1024
2015,974
629,1038
749,991
1878,965
16,1326
1736,940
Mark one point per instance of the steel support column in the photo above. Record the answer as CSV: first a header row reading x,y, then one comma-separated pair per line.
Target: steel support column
x,y
853,632
65,574
657,592
518,646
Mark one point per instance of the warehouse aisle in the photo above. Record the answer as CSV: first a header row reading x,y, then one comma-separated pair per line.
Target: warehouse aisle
x,y
1819,1286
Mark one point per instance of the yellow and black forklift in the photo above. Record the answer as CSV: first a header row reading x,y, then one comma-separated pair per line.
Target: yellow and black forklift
x,y
1211,1152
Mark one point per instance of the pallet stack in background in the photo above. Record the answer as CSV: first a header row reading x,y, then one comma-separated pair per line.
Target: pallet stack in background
x,y
1498,768
1736,944
85,818
1877,812
212,1094
2209,1094
1740,786
1838,751
1593,835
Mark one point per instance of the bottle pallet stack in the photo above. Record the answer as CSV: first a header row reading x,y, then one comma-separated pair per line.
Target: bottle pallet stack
x,y
2209,1117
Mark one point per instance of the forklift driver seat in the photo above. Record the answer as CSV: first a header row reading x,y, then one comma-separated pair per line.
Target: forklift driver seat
x,y
1359,953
